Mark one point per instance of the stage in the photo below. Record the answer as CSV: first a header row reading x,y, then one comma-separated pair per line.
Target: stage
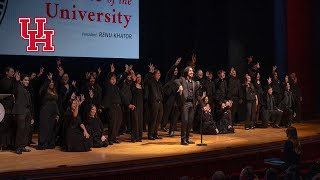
x,y
129,157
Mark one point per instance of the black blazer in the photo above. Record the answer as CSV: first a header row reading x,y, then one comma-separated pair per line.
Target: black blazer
x,y
196,86
23,102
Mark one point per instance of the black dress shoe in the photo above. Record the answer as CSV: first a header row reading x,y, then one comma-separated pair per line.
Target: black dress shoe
x,y
171,134
139,140
116,141
157,137
110,143
25,150
40,148
190,142
151,138
164,129
133,140
18,151
185,143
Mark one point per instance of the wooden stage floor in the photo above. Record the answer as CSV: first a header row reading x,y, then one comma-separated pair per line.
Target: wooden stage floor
x,y
131,153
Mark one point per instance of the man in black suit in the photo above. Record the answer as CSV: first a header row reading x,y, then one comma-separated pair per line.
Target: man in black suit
x,y
189,93
22,111
287,106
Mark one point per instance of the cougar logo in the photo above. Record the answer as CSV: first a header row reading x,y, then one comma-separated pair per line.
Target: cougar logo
x,y
3,7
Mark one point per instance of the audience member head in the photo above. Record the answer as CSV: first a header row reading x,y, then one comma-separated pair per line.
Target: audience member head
x,y
218,175
292,135
247,173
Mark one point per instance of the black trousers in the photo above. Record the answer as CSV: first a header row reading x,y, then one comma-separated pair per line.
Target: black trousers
x,y
250,114
235,110
23,122
275,117
186,120
115,115
174,117
126,123
156,113
287,117
297,104
167,111
146,116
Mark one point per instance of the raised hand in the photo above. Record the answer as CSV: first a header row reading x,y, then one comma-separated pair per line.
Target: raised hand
x,y
130,67
41,71
177,61
74,83
180,89
50,76
99,70
269,80
194,58
59,62
126,66
91,94
274,68
17,75
286,79
112,68
151,68
82,98
60,70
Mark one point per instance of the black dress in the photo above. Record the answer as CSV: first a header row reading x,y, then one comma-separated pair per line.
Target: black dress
x,y
74,138
95,128
137,113
48,117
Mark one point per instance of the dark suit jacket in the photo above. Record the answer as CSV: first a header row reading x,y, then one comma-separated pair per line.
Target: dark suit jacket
x,y
196,86
23,102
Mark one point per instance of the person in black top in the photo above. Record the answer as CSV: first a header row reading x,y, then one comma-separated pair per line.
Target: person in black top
x,y
209,126
95,129
22,111
49,115
253,69
76,134
189,94
210,89
146,109
234,94
223,116
221,87
291,153
169,96
296,92
276,86
202,90
287,106
258,87
270,109
251,100
154,94
8,85
137,112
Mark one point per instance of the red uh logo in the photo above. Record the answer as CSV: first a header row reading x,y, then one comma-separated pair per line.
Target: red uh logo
x,y
37,36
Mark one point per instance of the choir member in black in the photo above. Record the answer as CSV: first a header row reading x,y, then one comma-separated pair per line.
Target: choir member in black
x,y
22,111
251,101
189,94
258,87
270,109
76,134
35,85
137,112
210,88
146,109
221,87
169,91
224,122
95,128
49,115
200,80
8,85
209,126
94,87
296,92
276,86
125,83
154,94
234,93
287,106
